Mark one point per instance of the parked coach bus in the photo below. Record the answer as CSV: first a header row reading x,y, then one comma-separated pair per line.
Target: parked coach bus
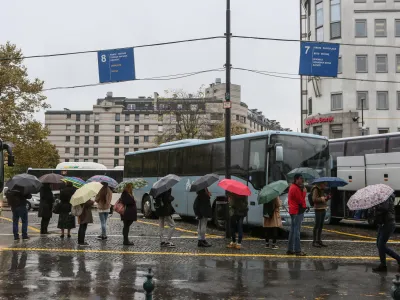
x,y
83,170
362,161
257,158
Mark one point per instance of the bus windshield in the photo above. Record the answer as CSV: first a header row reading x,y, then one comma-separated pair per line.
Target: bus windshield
x,y
299,152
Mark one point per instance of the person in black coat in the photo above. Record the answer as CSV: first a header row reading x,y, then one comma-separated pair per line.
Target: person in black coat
x,y
164,211
45,207
130,214
65,219
203,211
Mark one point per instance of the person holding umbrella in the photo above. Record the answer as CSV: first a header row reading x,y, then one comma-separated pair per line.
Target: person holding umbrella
x,y
202,205
65,219
238,208
319,201
45,207
130,214
103,200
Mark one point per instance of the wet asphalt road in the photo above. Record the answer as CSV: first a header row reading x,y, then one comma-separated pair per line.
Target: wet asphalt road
x,y
47,267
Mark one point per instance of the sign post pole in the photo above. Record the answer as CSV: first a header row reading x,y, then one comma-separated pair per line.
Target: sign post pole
x,y
228,109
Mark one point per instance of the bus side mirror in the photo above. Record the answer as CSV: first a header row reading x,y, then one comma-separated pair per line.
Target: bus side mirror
x,y
278,153
11,160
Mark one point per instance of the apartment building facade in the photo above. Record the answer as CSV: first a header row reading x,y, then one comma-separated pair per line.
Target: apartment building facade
x,y
118,125
370,74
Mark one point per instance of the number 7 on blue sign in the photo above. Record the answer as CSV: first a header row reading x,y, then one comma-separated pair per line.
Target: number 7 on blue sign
x,y
319,59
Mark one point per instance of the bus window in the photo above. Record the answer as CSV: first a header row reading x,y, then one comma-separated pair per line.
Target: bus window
x,y
197,160
394,144
175,161
365,146
218,158
163,164
150,166
237,159
336,150
257,174
133,166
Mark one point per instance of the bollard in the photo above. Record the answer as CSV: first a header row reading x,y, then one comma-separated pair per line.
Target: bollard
x,y
148,285
395,292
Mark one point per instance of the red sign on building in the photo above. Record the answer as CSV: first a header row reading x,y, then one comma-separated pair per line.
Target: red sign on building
x,y
313,121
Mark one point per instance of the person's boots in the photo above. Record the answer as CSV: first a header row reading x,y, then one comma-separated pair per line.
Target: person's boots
x,y
206,244
200,243
380,268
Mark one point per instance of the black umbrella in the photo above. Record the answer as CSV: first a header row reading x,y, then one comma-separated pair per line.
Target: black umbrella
x,y
25,183
204,182
164,184
51,178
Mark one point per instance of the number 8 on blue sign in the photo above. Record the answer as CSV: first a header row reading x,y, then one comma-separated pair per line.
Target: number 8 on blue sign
x,y
103,58
116,65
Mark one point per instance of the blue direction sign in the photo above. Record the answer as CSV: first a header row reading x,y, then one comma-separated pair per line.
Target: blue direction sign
x,y
116,65
319,59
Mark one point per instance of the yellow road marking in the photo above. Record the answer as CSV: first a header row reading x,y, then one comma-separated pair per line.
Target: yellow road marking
x,y
192,254
30,227
344,233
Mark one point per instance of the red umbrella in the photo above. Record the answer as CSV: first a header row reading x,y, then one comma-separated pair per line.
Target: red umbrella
x,y
235,187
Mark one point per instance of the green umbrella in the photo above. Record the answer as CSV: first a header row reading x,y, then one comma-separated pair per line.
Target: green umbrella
x,y
271,191
136,184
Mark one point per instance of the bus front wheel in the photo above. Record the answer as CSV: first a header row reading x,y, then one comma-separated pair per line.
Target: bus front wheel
x,y
146,207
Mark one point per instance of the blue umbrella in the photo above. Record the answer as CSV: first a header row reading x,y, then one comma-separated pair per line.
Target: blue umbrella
x,y
331,181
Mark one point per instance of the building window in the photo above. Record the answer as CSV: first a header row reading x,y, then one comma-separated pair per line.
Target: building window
x,y
76,151
127,128
116,162
382,101
86,151
126,140
96,140
127,117
131,107
361,28
319,28
397,63
96,128
116,140
68,127
361,63
381,63
66,160
77,140
136,129
193,107
67,138
398,100
160,128
77,128
379,0
397,28
216,117
86,140
318,130
76,160
95,151
78,117
360,1
116,151
383,130
117,128
360,97
335,19
146,139
68,116
310,106
336,132
137,117
339,69
117,117
136,140
126,150
136,149
179,106
146,116
160,118
87,117
67,150
96,116
336,101
95,160
85,160
146,127
380,28
87,128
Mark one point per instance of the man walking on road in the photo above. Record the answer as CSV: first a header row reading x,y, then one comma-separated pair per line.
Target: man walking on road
x,y
297,207
17,200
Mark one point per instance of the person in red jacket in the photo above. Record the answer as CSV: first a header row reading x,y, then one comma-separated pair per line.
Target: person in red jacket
x,y
297,206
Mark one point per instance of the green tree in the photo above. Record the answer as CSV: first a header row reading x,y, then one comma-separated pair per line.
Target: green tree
x,y
218,130
20,98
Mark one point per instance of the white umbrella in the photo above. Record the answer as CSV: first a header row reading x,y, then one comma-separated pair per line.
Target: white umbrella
x,y
85,193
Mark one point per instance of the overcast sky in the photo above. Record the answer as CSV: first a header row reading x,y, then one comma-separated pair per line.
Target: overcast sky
x,y
48,26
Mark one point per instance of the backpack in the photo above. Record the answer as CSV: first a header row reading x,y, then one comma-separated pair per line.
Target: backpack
x,y
77,210
13,198
268,209
310,199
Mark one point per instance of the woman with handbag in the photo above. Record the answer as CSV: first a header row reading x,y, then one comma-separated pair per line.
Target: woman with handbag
x,y
129,215
65,219
103,200
45,207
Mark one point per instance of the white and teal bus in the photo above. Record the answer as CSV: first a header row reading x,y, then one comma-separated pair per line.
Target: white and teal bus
x,y
256,159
